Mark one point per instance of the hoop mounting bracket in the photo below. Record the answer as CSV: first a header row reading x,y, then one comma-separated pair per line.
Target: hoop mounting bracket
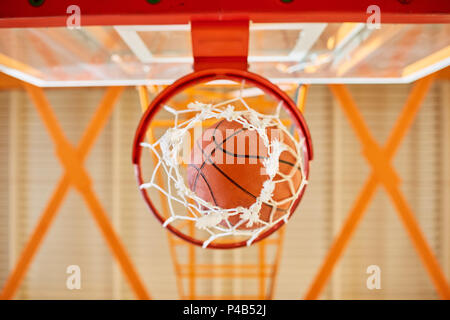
x,y
220,44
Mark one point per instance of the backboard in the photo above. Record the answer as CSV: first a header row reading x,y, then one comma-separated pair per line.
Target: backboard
x,y
282,52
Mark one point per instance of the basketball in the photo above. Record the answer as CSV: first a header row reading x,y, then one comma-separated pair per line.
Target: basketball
x,y
227,170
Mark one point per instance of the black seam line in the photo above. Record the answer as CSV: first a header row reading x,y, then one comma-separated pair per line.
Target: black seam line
x,y
247,156
240,155
199,170
203,164
206,181
235,183
214,150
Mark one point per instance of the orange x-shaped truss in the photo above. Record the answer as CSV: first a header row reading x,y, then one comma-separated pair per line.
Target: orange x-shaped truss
x,y
75,175
383,173
378,157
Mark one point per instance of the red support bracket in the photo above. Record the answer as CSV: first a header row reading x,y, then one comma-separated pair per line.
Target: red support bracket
x,y
220,44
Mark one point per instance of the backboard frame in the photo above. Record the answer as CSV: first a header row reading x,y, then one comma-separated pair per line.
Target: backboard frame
x,y
51,13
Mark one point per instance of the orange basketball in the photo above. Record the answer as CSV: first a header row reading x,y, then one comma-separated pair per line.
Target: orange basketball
x,y
227,170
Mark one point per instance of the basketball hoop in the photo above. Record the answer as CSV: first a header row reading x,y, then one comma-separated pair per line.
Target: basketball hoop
x,y
176,223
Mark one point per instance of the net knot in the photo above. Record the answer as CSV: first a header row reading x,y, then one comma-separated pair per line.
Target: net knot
x,y
252,213
210,220
271,164
267,190
170,144
229,113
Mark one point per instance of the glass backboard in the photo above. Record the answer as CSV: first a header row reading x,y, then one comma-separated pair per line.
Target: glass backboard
x,y
282,52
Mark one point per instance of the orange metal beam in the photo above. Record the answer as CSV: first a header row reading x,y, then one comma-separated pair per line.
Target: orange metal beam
x,y
427,61
255,274
19,66
379,158
144,101
444,74
35,240
7,82
74,175
261,267
276,264
191,270
301,99
209,266
228,297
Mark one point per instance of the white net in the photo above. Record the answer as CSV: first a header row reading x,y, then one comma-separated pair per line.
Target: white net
x,y
215,221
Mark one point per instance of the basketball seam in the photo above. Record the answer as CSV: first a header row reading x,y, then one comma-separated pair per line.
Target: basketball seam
x,y
232,181
214,150
237,155
206,181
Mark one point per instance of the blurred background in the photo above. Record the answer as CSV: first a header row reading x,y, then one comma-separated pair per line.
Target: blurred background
x,y
30,171
74,69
